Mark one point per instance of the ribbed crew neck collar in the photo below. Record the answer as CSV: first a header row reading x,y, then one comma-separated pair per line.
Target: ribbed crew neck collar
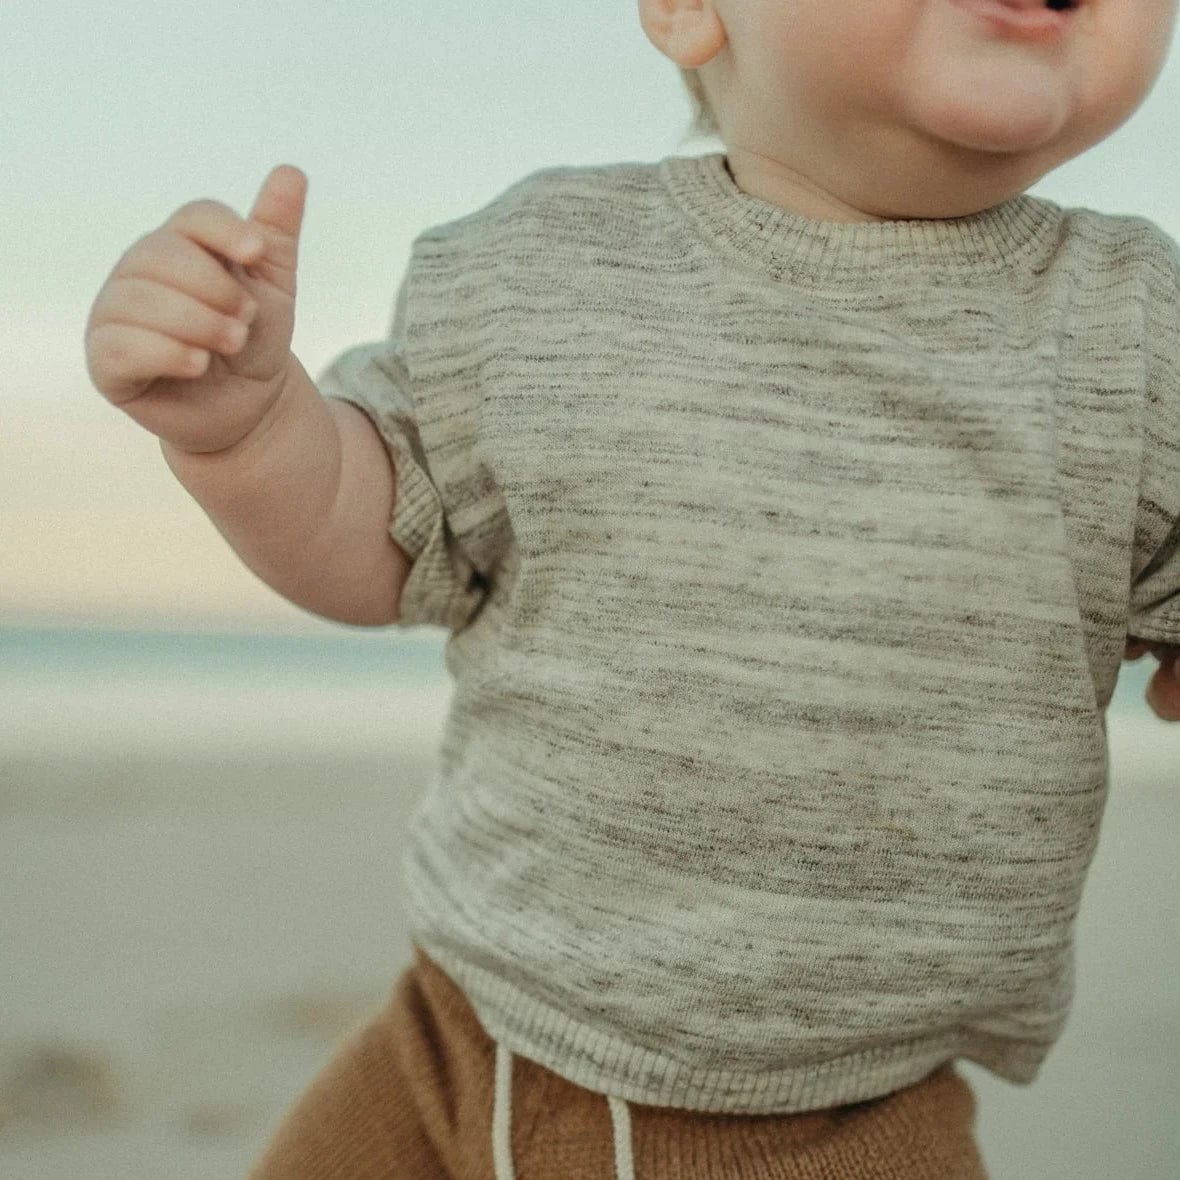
x,y
786,246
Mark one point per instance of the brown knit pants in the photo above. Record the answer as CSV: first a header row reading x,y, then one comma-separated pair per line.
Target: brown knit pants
x,y
410,1097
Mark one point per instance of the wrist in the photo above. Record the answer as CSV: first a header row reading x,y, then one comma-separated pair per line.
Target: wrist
x,y
284,388
295,435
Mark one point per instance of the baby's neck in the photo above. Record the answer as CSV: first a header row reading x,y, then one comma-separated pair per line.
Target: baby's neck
x,y
770,181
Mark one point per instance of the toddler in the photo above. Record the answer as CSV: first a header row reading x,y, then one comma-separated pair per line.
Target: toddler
x,y
790,510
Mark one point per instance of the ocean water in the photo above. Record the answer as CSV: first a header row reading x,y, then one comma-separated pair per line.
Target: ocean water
x,y
30,655
67,690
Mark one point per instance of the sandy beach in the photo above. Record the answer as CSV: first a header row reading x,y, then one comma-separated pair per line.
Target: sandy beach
x,y
186,936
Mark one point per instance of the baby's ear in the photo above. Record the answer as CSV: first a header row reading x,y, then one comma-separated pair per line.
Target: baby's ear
x,y
689,32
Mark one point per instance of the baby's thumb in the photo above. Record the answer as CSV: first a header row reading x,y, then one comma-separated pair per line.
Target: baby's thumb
x,y
279,207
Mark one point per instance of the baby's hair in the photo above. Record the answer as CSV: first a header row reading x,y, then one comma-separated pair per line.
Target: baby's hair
x,y
704,122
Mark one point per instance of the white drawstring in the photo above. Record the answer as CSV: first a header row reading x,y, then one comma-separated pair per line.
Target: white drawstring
x,y
620,1118
502,1116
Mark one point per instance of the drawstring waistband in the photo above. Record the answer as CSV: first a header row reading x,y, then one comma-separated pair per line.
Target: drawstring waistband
x,y
620,1118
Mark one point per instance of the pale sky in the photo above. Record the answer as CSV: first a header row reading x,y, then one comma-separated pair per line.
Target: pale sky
x,y
402,116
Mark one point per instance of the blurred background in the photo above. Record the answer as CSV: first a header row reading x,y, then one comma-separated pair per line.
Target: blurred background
x,y
203,788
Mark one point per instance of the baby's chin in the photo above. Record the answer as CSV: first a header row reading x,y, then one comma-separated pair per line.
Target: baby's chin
x,y
994,105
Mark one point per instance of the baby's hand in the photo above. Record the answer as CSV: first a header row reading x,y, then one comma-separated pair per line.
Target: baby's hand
x,y
191,333
1163,693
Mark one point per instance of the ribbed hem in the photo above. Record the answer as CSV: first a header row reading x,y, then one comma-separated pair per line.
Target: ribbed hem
x,y
605,1064
1021,234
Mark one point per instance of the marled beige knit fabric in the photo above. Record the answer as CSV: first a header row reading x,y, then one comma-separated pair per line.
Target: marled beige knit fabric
x,y
787,567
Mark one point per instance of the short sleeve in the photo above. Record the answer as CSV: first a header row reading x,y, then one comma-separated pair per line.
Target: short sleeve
x,y
448,516
1155,588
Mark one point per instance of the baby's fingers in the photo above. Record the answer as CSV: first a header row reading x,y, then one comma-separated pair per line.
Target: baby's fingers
x,y
124,349
219,229
1163,697
1163,691
124,359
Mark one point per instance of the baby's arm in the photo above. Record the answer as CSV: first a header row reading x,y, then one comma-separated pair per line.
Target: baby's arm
x,y
306,501
300,486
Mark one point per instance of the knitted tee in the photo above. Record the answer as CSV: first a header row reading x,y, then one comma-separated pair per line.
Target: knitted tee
x,y
787,568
